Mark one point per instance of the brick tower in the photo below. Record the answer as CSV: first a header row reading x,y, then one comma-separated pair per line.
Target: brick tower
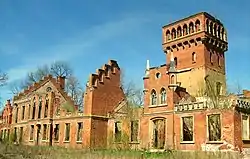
x,y
198,44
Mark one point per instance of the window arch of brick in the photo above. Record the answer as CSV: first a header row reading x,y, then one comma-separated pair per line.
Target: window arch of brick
x,y
197,25
179,31
211,28
185,29
168,35
163,94
193,57
207,26
215,30
153,97
222,34
173,32
191,27
175,61
172,79
218,32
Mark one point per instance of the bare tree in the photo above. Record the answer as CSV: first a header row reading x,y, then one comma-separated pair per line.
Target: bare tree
x,y
133,94
3,78
75,91
61,68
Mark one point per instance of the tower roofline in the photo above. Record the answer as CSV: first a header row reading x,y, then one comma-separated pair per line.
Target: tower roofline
x,y
192,16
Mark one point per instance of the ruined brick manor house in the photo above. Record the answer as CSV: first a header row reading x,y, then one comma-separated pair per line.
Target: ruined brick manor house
x,y
176,113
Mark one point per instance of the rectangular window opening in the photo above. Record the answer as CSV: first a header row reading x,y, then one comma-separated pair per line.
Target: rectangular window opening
x,y
79,131
31,132
187,129
118,131
134,131
44,131
245,127
56,132
67,132
214,128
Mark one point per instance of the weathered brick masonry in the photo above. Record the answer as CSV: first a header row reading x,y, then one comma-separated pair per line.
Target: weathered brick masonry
x,y
178,113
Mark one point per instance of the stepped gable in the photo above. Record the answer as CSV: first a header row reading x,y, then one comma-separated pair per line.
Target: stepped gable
x,y
104,72
41,83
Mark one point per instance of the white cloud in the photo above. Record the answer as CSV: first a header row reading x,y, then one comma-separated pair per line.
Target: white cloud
x,y
75,45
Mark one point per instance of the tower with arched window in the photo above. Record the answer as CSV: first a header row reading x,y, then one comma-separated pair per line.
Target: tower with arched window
x,y
198,44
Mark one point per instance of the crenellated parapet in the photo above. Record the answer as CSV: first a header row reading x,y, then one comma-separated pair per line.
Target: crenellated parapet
x,y
105,72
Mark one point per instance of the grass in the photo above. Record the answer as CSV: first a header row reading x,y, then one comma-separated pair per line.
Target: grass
x,y
8,151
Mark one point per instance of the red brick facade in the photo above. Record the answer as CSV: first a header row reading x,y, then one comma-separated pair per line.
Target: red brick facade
x,y
177,114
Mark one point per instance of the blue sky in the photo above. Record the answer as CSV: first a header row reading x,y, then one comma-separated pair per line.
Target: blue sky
x,y
87,33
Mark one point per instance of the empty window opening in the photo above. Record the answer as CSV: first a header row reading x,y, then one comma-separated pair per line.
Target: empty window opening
x,y
185,29
44,131
179,32
79,131
173,33
21,135
46,106
39,108
118,131
153,97
15,135
214,127
197,25
168,35
16,119
56,132
34,109
31,132
193,57
187,129
175,61
172,79
218,88
207,26
191,27
29,111
158,75
134,131
211,28
163,96
23,112
67,132
245,127
159,133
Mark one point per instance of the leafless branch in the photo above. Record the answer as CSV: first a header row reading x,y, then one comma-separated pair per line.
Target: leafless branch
x,y
3,78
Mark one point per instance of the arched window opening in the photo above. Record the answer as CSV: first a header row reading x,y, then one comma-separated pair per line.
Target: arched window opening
x,y
168,35
218,32
207,26
218,88
222,34
39,108
153,97
163,96
191,27
179,32
159,133
46,106
185,30
193,57
211,28
197,25
173,33
215,30
172,79
175,61
34,108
